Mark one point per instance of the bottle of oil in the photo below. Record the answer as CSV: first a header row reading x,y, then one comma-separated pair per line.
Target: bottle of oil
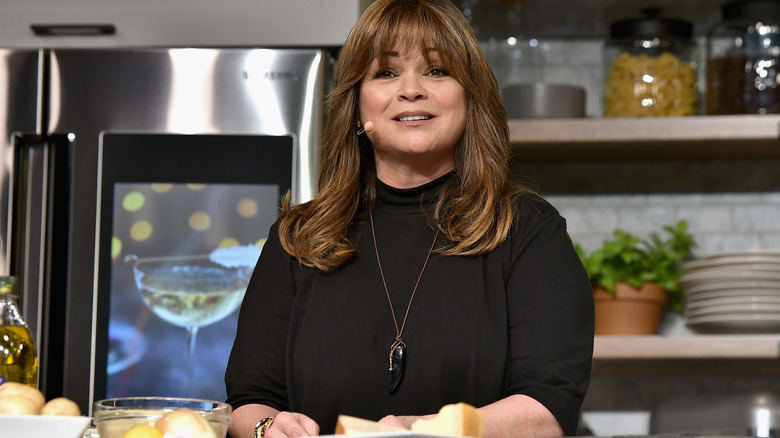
x,y
18,358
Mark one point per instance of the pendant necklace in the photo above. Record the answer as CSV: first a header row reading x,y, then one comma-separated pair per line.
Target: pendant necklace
x,y
398,347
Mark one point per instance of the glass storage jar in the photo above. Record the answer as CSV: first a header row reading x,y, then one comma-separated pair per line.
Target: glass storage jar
x,y
743,59
514,60
650,68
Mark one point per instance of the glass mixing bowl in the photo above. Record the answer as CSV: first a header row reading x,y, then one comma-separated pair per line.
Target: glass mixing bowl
x,y
115,416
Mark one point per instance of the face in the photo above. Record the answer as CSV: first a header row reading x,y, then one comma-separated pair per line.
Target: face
x,y
419,115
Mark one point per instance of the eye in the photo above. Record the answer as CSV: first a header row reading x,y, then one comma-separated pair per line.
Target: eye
x,y
438,72
383,74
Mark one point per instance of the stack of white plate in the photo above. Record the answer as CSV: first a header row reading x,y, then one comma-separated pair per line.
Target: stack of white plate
x,y
734,292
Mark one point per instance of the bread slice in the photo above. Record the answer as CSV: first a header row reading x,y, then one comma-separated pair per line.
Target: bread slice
x,y
457,419
346,425
453,420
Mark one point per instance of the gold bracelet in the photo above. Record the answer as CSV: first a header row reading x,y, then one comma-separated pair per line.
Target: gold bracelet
x,y
262,426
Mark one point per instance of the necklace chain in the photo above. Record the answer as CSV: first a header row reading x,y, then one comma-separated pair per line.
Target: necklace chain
x,y
399,331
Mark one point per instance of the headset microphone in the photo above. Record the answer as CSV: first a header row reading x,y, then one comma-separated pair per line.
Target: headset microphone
x,y
369,126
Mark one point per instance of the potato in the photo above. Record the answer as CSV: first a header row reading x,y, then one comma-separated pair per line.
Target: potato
x,y
61,406
15,388
185,423
143,431
13,404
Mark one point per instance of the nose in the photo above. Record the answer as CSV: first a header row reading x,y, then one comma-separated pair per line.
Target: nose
x,y
411,88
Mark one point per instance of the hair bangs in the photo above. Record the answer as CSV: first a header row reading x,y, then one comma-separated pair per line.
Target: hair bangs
x,y
407,28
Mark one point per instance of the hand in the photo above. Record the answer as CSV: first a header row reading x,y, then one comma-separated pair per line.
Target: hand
x,y
403,421
292,424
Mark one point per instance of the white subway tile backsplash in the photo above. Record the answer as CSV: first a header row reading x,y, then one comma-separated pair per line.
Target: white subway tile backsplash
x,y
588,242
647,219
569,200
770,241
757,218
685,200
726,242
612,201
771,198
706,218
719,222
579,53
561,74
738,198
552,51
588,220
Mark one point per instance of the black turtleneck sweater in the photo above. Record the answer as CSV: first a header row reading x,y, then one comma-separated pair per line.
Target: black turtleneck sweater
x,y
516,321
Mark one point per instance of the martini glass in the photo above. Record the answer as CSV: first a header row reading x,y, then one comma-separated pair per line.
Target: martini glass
x,y
189,292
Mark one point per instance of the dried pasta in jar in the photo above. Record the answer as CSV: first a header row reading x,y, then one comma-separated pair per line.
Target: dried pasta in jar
x,y
650,86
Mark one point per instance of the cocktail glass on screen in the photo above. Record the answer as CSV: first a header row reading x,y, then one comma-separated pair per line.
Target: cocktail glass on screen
x,y
189,292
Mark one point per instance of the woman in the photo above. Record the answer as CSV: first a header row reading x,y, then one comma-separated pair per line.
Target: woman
x,y
419,275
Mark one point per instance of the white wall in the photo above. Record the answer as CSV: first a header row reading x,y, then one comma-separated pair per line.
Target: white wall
x,y
319,23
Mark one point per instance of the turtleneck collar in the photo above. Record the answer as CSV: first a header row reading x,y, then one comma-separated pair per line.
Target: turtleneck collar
x,y
426,194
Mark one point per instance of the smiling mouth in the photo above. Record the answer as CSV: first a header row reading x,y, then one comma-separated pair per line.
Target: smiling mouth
x,y
413,118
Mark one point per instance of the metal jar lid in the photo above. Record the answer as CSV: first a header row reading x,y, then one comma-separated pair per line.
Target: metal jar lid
x,y
754,10
651,26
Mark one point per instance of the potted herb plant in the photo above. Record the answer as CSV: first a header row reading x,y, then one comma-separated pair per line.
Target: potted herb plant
x,y
635,280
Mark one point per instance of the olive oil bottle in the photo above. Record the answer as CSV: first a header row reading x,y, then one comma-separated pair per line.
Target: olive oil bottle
x,y
18,358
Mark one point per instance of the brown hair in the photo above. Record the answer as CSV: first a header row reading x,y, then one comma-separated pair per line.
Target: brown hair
x,y
474,211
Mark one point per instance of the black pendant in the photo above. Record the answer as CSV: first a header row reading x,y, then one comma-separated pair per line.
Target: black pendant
x,y
397,362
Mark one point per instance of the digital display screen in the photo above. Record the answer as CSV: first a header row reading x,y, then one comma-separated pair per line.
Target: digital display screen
x,y
176,249
168,290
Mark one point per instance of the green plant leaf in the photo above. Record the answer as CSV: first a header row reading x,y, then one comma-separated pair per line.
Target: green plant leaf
x,y
633,260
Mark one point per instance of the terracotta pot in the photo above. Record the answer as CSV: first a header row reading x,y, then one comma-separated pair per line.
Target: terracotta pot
x,y
630,312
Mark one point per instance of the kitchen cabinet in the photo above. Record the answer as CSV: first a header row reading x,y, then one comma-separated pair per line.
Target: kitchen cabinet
x,y
267,23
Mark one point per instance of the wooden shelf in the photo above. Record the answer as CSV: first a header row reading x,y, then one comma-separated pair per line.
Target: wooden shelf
x,y
741,136
687,347
698,137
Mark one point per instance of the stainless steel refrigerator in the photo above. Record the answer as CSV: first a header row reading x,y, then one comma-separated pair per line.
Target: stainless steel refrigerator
x,y
122,164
